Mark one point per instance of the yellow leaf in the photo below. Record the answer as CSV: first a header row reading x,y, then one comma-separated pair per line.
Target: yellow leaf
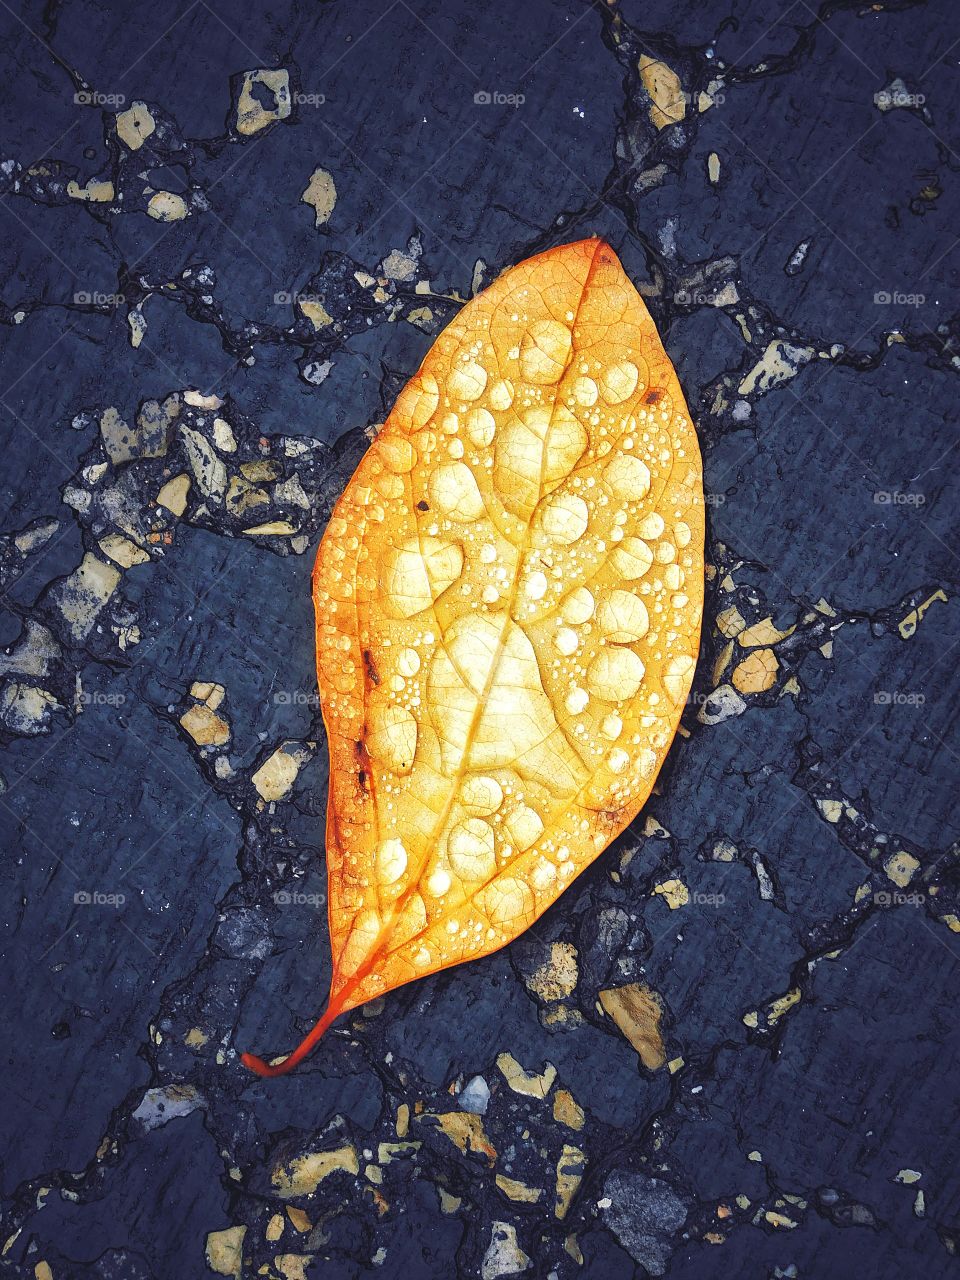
x,y
508,601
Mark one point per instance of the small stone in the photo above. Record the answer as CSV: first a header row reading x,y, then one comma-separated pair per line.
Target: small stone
x,y
782,1005
570,1170
521,1081
208,467
572,1249
448,1203
211,694
467,1133
637,1011
262,470
276,776
901,868
386,1151
321,196
832,810
316,371
205,727
118,439
299,1220
37,534
302,1175
224,1251
277,528
252,115
724,851
722,704
400,266
137,323
757,672
567,1111
674,892
763,633
173,495
664,90
167,206
644,1214
199,401
556,978
33,654
127,636
122,551
503,1257
82,595
79,499
475,1096
319,317
518,1191
242,495
159,1106
894,96
150,438
26,709
293,1266
779,1220
780,362
96,191
223,436
135,125
291,491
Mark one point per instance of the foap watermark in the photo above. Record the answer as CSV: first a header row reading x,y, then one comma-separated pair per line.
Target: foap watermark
x,y
898,698
891,97
93,98
497,98
899,498
713,99
714,499
893,898
707,899
295,698
309,99
96,898
897,298
294,898
695,698
697,297
97,698
284,298
85,299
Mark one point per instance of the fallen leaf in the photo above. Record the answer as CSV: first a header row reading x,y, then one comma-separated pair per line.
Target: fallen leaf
x,y
508,601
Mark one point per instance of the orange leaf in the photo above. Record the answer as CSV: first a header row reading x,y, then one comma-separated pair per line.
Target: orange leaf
x,y
508,600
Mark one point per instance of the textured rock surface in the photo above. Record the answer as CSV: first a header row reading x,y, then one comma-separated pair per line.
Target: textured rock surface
x,y
194,357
